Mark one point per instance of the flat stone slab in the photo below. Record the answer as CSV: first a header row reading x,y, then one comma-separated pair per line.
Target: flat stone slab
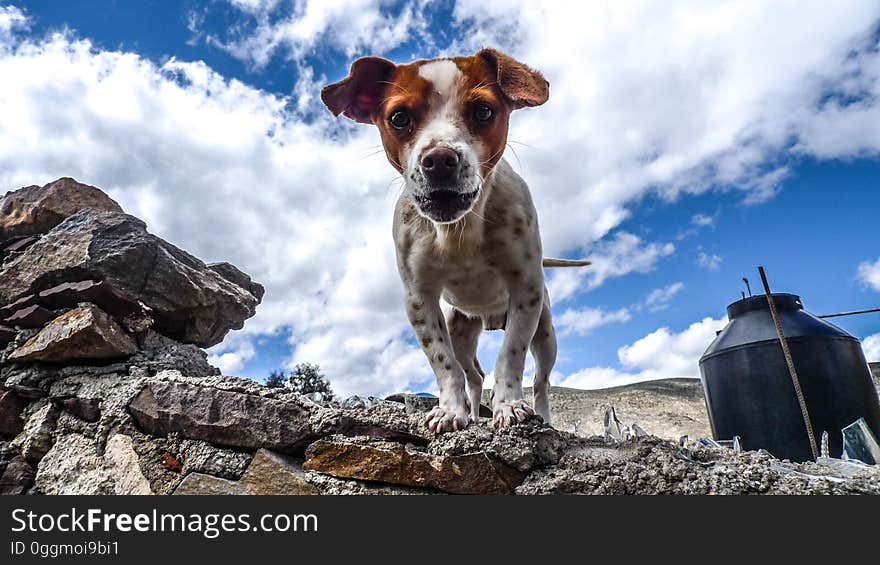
x,y
109,299
222,417
34,316
83,333
388,462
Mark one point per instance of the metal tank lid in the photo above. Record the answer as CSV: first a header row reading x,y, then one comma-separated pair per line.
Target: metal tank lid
x,y
783,301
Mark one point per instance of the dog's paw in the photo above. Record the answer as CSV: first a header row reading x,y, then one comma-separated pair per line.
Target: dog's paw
x,y
440,419
511,412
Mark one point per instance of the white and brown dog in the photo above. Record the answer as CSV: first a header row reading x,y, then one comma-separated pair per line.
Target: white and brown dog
x,y
465,227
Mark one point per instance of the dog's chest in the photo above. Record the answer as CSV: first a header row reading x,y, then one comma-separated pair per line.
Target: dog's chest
x,y
475,288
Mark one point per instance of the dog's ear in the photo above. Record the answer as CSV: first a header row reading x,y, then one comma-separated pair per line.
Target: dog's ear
x,y
522,85
357,95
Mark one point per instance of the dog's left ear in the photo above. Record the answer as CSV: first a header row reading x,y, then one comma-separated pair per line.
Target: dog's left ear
x,y
359,94
520,84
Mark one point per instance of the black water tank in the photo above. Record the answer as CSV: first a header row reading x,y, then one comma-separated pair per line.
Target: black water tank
x,y
748,388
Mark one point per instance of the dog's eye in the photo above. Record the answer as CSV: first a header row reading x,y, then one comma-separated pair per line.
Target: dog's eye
x,y
483,113
400,119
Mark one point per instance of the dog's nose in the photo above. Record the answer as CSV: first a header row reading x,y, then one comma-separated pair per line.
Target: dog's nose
x,y
440,165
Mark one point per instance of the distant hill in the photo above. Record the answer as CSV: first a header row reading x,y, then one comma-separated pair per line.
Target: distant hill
x,y
668,408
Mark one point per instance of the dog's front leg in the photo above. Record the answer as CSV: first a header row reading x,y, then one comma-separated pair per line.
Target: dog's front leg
x,y
523,313
453,411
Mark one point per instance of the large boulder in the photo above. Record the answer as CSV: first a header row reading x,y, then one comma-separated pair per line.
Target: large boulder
x,y
190,301
37,209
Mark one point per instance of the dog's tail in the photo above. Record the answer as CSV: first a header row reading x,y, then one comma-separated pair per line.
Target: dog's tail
x,y
549,262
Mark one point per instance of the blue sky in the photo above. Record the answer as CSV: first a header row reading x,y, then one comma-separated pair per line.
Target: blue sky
x,y
683,145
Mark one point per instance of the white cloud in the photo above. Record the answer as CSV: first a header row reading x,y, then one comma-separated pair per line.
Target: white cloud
x,y
869,274
349,26
709,261
871,346
698,222
620,255
702,220
585,320
659,298
12,19
661,354
232,355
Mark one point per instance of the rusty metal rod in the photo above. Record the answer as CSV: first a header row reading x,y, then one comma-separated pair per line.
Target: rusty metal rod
x,y
791,368
851,313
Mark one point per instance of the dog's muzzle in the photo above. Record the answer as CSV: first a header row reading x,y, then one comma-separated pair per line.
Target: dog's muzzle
x,y
443,198
445,205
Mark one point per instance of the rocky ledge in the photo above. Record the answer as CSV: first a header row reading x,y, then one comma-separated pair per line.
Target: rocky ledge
x,y
104,389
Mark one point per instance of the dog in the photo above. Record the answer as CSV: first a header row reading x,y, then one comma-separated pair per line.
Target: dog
x,y
465,228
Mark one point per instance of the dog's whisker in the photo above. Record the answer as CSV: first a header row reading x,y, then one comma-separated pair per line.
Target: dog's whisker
x,y
489,160
518,162
521,143
395,179
394,84
368,155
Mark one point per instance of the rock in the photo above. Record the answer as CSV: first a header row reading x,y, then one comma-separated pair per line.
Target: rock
x,y
17,477
268,474
118,304
36,210
232,273
200,484
83,333
11,407
222,417
388,462
524,447
7,335
73,466
158,353
35,440
31,317
385,420
165,462
16,245
20,304
124,465
117,249
274,474
88,409
333,486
